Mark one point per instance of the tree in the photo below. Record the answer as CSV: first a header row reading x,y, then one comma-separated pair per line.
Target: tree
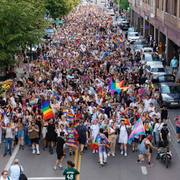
x,y
123,4
21,23
59,8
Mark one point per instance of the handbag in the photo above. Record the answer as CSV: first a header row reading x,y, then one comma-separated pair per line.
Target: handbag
x,y
22,176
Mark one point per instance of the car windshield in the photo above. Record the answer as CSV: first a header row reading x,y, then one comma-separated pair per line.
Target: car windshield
x,y
170,89
131,30
139,47
133,34
157,70
166,78
148,58
147,50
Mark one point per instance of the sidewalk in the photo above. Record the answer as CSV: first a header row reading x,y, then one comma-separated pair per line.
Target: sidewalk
x,y
169,70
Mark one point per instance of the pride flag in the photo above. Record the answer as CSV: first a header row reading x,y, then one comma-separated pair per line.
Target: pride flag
x,y
14,112
30,82
103,81
138,129
134,94
76,124
8,111
70,116
116,86
115,43
32,102
120,40
126,122
155,97
64,111
54,91
100,109
47,111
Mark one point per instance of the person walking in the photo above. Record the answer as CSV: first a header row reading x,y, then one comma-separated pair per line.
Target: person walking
x,y
145,148
70,173
34,136
4,175
174,64
16,170
20,133
177,119
112,137
8,138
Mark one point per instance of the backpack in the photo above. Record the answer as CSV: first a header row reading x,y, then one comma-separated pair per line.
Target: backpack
x,y
120,129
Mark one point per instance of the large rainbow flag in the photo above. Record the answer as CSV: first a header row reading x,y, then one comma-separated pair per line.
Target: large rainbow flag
x,y
114,42
54,91
115,86
138,129
47,111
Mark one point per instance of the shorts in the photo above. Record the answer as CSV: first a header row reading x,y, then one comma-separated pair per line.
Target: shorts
x,y
59,155
50,138
177,130
35,140
82,140
20,134
136,140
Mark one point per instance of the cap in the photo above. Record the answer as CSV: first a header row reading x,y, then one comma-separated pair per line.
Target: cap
x,y
146,81
164,124
103,136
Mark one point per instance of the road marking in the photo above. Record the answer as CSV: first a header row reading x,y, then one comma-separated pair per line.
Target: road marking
x,y
79,166
12,158
76,157
140,156
172,125
39,178
144,170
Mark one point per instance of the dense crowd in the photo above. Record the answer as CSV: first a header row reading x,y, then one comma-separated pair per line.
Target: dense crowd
x,y
74,71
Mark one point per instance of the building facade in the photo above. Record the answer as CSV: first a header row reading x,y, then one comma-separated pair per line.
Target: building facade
x,y
162,17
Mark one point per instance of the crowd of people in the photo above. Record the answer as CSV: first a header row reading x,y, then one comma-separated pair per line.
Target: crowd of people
x,y
74,71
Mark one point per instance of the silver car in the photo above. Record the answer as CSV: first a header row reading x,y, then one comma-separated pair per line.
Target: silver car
x,y
152,58
155,70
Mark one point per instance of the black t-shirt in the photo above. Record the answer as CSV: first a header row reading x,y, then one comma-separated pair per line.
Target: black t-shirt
x,y
128,102
164,134
51,128
60,143
3,103
164,111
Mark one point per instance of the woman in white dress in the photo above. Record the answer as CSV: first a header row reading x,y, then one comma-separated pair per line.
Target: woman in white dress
x,y
123,137
94,131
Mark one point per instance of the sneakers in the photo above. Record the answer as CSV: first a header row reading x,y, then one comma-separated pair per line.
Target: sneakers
x,y
55,168
51,151
178,141
38,153
4,155
138,161
108,154
132,149
149,165
122,152
10,154
97,151
22,147
19,146
113,154
135,149
125,154
33,151
93,151
81,153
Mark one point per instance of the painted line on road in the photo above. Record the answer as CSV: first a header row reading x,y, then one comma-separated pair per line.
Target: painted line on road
x,y
144,169
172,126
79,166
9,163
39,178
140,156
76,157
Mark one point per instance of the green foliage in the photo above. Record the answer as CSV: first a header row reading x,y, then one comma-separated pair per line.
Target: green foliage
x,y
59,8
123,4
21,23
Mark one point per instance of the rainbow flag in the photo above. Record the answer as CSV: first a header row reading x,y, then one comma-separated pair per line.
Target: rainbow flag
x,y
120,40
47,111
147,116
38,64
101,37
134,111
108,146
30,82
118,54
11,124
113,108
155,97
134,94
100,109
70,116
54,91
82,108
115,86
64,111
32,102
115,43
76,124
40,83
14,112
8,111
126,122
24,69
67,63
103,81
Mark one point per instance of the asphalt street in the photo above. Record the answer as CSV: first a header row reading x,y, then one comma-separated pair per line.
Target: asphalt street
x,y
118,168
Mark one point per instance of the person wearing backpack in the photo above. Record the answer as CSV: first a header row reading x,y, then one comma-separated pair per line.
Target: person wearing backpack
x,y
123,137
8,138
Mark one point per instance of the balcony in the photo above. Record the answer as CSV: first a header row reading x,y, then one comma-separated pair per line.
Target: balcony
x,y
170,19
146,7
160,14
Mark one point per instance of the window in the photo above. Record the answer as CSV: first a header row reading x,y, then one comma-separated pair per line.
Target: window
x,y
157,4
175,8
167,6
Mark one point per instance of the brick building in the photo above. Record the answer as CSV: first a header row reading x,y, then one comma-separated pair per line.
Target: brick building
x,y
163,20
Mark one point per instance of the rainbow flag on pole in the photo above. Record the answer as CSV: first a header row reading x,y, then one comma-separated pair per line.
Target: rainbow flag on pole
x,y
47,111
32,102
14,112
54,91
70,116
115,43
103,81
120,40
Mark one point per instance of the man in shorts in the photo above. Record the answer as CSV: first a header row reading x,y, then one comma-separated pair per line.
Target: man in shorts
x,y
34,136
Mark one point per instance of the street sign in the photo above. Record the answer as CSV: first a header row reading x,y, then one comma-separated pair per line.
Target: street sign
x,y
146,27
128,8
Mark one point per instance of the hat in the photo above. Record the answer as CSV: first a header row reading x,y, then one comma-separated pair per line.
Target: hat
x,y
146,81
95,120
164,124
103,136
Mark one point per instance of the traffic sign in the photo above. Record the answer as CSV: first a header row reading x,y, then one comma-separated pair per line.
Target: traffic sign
x,y
128,8
146,27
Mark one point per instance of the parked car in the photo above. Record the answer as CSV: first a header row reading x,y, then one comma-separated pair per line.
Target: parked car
x,y
155,70
152,58
131,30
91,3
139,42
133,36
120,20
125,25
111,12
138,48
146,50
170,91
49,32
